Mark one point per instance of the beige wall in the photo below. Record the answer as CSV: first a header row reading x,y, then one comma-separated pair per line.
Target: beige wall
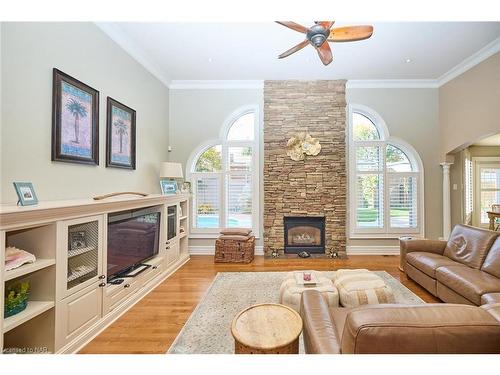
x,y
29,52
412,116
469,106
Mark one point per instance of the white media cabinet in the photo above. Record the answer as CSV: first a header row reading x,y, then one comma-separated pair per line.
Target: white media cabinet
x,y
67,308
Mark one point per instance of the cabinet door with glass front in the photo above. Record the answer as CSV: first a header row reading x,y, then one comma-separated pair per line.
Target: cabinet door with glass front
x,y
80,254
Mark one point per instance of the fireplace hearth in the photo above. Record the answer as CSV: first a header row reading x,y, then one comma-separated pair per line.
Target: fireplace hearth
x,y
304,233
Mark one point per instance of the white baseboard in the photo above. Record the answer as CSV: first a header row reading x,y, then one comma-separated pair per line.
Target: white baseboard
x,y
210,250
351,250
372,250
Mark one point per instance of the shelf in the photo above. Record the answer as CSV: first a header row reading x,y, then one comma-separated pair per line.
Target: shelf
x,y
33,309
76,275
83,250
182,235
183,217
28,268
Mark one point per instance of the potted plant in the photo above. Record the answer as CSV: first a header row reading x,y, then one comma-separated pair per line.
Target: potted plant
x,y
16,298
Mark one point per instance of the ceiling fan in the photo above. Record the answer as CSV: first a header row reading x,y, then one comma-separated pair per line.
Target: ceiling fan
x,y
321,33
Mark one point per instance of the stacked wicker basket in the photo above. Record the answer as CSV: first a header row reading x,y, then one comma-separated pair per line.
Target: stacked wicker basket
x,y
235,245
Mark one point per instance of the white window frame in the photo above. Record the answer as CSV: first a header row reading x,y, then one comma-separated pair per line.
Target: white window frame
x,y
418,172
223,176
479,162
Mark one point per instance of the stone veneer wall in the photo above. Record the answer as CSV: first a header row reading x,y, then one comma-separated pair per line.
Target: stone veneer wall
x,y
316,186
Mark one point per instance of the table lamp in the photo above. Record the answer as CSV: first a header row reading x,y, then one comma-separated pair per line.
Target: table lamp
x,y
169,172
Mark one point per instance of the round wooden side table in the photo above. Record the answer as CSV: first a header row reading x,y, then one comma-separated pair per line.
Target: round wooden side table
x,y
267,328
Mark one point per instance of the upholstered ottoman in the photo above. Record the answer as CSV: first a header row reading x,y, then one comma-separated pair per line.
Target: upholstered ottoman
x,y
361,287
291,291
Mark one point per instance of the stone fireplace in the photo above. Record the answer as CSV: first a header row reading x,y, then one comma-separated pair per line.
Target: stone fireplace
x,y
303,233
317,185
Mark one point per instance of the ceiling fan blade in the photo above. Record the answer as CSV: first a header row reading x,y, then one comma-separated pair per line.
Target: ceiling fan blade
x,y
325,53
326,24
298,47
294,26
350,33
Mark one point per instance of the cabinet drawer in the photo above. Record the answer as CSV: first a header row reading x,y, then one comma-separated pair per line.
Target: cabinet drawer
x,y
77,313
117,293
155,271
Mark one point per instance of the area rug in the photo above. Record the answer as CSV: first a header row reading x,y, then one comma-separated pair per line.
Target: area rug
x,y
208,329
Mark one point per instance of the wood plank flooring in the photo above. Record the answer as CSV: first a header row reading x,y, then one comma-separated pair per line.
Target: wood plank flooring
x,y
154,322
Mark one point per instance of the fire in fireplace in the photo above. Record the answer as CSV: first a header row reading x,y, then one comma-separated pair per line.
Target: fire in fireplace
x,y
304,233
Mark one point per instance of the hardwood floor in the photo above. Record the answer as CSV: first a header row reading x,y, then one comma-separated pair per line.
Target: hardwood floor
x,y
154,322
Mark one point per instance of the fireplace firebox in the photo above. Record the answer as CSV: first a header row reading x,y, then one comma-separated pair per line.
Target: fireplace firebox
x,y
304,233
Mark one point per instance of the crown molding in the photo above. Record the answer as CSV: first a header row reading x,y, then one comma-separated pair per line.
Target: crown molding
x,y
487,51
215,84
111,30
391,84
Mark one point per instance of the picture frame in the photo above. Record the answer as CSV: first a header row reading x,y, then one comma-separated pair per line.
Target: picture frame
x,y
77,240
186,187
120,135
75,120
25,193
168,187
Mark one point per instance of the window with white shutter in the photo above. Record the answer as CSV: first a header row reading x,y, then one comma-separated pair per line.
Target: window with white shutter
x,y
224,177
385,175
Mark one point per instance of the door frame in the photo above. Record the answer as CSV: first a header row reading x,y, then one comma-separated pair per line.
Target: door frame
x,y
479,162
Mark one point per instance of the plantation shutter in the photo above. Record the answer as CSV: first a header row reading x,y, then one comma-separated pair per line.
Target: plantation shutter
x,y
207,193
403,201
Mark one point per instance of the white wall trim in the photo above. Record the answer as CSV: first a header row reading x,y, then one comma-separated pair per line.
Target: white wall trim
x,y
113,31
372,250
351,250
210,250
216,84
392,84
489,50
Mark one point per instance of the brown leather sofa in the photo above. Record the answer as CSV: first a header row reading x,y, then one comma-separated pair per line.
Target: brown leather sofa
x,y
399,329
464,270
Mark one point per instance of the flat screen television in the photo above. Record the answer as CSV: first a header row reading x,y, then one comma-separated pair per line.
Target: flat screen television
x,y
133,238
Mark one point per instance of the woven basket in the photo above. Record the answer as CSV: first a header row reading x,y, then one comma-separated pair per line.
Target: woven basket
x,y
231,251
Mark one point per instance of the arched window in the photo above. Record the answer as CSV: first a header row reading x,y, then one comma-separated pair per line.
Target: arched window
x,y
224,176
386,179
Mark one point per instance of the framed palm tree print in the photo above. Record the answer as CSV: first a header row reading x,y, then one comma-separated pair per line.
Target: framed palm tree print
x,y
75,120
120,135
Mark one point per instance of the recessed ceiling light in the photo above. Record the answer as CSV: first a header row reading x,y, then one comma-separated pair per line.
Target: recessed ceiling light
x,y
209,59
408,61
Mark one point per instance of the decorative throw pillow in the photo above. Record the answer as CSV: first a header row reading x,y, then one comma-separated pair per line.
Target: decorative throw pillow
x,y
236,231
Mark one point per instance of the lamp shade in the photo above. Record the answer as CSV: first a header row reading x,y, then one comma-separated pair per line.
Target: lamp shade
x,y
171,170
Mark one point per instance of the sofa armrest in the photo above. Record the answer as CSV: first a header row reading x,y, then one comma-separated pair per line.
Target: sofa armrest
x,y
320,336
428,246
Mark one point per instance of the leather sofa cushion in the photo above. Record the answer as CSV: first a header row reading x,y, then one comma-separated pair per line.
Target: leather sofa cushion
x,y
469,245
420,329
490,298
429,262
492,262
468,282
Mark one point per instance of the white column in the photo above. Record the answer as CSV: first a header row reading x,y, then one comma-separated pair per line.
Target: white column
x,y
446,201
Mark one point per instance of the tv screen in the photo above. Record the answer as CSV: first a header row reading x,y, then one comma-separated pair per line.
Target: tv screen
x,y
132,239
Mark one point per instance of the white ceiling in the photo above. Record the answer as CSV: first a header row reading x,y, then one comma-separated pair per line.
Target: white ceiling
x,y
248,51
493,140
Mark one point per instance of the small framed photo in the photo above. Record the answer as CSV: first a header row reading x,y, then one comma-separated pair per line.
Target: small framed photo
x,y
168,187
75,120
25,193
186,187
120,135
77,240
